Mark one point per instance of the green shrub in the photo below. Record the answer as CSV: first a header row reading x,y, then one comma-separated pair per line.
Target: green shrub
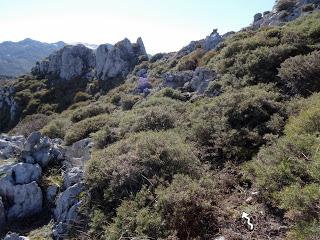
x,y
190,208
82,129
135,219
56,128
171,93
127,102
305,231
288,171
156,119
86,112
81,96
190,61
30,124
302,73
233,126
285,4
122,168
104,137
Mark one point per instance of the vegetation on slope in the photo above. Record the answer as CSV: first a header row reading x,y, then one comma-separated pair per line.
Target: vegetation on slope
x,y
171,166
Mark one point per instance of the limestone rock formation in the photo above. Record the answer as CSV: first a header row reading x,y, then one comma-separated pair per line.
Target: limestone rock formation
x,y
27,201
15,236
285,11
196,81
20,194
10,146
207,44
118,60
2,215
68,63
8,107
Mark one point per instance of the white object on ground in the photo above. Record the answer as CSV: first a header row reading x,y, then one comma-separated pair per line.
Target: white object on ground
x,y
246,216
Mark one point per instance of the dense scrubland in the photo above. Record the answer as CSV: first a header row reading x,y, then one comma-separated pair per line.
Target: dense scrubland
x,y
173,165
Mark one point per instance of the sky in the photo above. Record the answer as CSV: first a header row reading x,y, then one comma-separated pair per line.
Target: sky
x,y
164,25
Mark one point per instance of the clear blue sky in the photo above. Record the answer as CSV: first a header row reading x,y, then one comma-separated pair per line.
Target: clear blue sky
x,y
164,25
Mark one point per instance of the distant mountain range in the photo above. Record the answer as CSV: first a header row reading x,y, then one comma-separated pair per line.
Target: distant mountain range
x,y
17,58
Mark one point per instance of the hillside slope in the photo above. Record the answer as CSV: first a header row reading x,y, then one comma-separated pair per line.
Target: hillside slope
x,y
178,146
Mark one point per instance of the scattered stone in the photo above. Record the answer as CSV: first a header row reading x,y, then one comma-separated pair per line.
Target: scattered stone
x,y
207,44
279,16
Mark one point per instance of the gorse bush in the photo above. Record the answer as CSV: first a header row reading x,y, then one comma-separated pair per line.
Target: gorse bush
x,y
83,128
87,112
122,168
288,171
190,208
233,126
56,128
302,73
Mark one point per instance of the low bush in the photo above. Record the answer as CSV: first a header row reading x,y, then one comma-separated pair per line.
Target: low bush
x,y
302,73
81,96
122,168
287,172
82,129
56,128
104,137
127,102
189,208
285,4
233,126
30,124
86,112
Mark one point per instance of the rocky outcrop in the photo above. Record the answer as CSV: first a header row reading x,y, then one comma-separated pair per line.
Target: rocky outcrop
x,y
10,146
68,63
207,44
14,236
20,194
117,61
8,107
108,62
27,201
195,81
285,11
66,211
2,215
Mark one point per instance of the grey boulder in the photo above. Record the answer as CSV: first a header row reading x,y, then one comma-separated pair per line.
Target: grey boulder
x,y
23,173
71,177
10,146
51,193
2,215
27,201
65,202
14,236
